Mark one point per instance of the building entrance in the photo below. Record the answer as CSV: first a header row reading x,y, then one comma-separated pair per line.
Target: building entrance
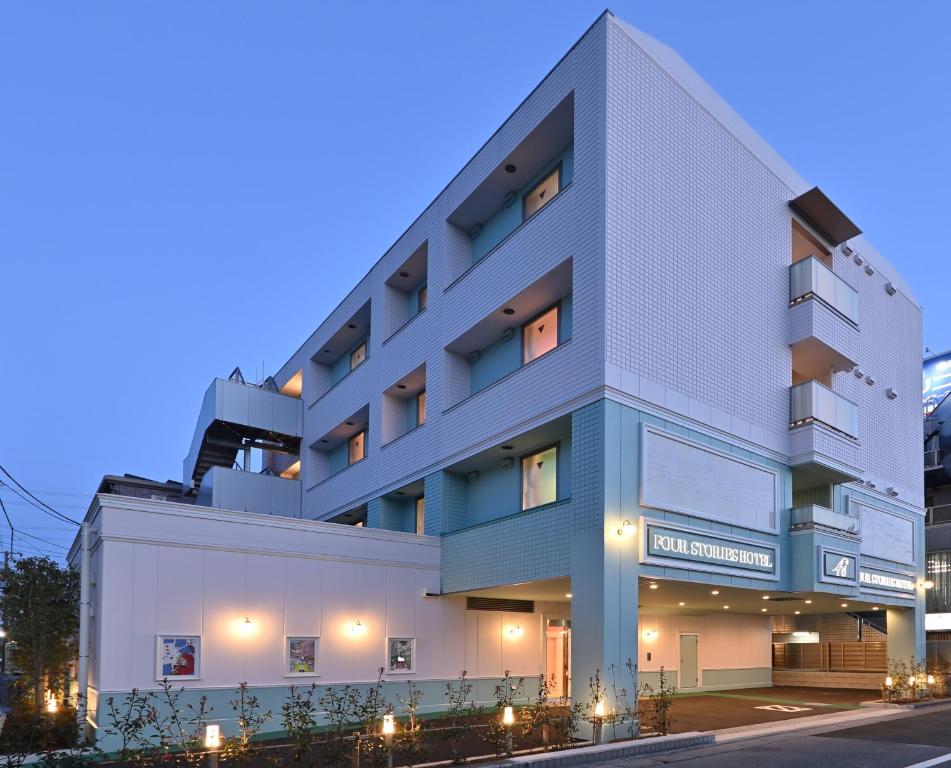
x,y
688,661
558,656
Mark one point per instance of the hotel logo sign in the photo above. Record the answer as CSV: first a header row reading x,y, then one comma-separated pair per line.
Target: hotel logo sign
x,y
838,566
706,548
886,580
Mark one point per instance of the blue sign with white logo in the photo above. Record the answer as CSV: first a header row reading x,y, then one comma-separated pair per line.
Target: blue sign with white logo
x,y
838,566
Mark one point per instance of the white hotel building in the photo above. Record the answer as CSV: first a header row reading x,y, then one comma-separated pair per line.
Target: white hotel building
x,y
628,388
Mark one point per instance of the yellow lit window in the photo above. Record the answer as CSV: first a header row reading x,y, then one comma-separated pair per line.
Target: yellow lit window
x,y
358,447
420,516
541,194
421,408
540,335
358,355
540,478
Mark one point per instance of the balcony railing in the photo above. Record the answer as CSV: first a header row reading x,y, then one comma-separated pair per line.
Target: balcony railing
x,y
812,401
933,458
810,278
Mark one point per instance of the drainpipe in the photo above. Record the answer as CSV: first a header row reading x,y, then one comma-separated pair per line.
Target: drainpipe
x,y
84,602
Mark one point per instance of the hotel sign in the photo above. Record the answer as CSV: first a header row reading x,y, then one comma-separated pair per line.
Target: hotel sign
x,y
838,566
709,549
891,581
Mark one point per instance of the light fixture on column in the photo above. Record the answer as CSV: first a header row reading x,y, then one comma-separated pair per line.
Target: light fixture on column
x,y
627,529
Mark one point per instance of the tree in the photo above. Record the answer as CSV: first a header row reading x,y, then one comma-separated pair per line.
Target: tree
x,y
40,605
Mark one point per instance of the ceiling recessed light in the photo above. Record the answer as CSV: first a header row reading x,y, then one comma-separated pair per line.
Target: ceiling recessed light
x,y
808,602
766,597
874,607
568,595
404,273
763,610
653,586
327,351
681,603
715,592
401,386
510,168
845,605
508,311
349,423
726,607
325,440
351,326
508,447
796,612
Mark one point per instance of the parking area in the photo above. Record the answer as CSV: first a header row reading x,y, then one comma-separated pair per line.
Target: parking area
x,y
713,710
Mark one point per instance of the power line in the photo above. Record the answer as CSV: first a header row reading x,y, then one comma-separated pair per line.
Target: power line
x,y
39,538
43,506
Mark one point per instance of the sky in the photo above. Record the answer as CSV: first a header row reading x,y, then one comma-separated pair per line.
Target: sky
x,y
186,187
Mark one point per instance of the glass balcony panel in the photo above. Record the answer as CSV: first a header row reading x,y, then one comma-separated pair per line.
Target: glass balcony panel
x,y
810,277
811,401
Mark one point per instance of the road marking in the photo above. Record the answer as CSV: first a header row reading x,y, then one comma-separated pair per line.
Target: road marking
x,y
932,761
783,708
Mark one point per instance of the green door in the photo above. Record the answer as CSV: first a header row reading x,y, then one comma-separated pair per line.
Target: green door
x,y
688,661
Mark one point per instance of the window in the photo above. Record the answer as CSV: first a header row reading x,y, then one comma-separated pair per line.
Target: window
x,y
358,355
420,516
358,447
422,298
421,408
541,194
540,335
540,478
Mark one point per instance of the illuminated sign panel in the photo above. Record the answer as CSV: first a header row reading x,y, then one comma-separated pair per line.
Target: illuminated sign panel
x,y
890,581
935,380
705,548
838,566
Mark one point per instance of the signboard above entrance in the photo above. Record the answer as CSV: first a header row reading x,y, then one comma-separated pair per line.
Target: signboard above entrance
x,y
695,547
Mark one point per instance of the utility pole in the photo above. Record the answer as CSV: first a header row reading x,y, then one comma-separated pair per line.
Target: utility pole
x,y
6,562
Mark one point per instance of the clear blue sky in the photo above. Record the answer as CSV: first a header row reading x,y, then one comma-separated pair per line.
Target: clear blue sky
x,y
186,187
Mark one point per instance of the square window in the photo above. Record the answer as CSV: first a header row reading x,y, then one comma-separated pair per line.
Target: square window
x,y
401,655
301,656
358,447
422,299
540,335
421,408
358,355
420,516
541,194
540,478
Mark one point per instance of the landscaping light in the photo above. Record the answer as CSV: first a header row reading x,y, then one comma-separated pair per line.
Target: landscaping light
x,y
930,679
212,736
627,529
389,725
508,716
912,681
51,704
599,709
889,682
3,633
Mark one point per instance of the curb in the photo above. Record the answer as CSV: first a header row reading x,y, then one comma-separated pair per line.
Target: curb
x,y
604,752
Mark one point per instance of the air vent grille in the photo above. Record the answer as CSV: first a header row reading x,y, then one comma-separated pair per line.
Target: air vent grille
x,y
499,604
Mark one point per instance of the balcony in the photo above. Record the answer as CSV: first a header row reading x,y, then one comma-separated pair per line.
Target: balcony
x,y
236,416
815,516
823,317
261,492
823,431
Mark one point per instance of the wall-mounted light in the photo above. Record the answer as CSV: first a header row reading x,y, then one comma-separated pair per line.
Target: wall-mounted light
x,y
927,584
569,595
649,634
627,529
515,630
212,736
357,628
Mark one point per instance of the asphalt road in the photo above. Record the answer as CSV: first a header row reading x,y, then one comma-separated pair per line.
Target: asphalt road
x,y
902,741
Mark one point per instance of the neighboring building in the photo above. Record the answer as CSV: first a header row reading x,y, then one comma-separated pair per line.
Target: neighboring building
x,y
628,389
936,385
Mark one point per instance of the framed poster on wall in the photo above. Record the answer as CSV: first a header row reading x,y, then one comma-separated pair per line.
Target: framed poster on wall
x,y
178,657
400,655
300,656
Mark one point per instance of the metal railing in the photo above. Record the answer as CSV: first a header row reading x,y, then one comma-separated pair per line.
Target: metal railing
x,y
810,278
812,401
933,458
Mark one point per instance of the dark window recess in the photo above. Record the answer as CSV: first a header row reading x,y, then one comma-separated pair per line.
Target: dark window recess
x,y
499,604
